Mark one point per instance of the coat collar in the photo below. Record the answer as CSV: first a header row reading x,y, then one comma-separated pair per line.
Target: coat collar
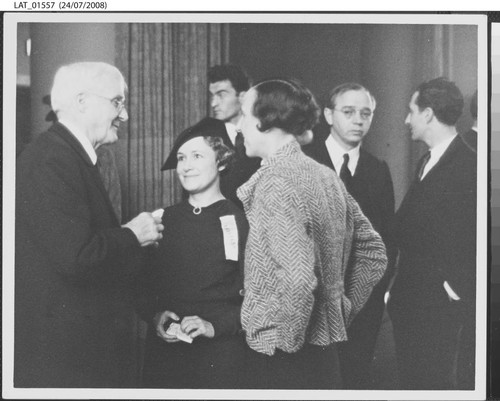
x,y
290,149
246,191
446,157
65,134
62,132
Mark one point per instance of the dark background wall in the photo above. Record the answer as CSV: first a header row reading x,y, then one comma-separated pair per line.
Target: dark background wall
x,y
383,57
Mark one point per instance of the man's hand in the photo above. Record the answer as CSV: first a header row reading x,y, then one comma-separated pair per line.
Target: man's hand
x,y
146,228
159,322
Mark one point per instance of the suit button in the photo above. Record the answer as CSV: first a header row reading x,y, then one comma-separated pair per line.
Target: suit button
x,y
242,292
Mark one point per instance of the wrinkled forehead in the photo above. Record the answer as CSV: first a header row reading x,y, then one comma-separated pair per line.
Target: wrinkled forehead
x,y
354,98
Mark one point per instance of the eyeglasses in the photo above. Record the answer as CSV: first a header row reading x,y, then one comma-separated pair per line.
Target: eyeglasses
x,y
118,102
349,112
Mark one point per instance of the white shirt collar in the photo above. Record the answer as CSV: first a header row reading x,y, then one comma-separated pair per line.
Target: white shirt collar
x,y
232,131
82,138
436,153
336,153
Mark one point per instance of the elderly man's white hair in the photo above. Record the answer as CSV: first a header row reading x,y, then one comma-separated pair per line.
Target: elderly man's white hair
x,y
73,79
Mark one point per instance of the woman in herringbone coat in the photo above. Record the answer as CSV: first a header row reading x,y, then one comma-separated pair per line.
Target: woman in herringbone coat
x,y
304,231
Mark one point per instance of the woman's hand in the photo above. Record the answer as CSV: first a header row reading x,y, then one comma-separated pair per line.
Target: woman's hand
x,y
195,326
161,331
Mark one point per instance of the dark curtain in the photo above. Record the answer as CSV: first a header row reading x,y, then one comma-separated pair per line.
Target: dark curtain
x,y
165,66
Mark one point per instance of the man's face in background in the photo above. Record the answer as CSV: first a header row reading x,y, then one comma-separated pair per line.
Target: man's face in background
x,y
225,101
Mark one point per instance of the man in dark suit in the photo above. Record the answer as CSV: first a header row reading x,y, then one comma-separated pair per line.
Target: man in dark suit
x,y
470,137
349,113
432,303
227,85
73,260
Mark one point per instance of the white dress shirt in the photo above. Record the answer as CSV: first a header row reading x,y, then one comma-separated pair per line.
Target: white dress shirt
x,y
436,152
337,152
82,138
232,131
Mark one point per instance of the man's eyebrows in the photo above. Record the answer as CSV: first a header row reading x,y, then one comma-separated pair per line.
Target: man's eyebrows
x,y
354,107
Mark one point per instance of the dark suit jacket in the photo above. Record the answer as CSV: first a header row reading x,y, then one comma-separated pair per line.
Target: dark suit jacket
x,y
240,170
470,138
73,265
436,233
371,186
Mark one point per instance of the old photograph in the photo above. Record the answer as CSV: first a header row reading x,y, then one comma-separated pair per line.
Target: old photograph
x,y
245,205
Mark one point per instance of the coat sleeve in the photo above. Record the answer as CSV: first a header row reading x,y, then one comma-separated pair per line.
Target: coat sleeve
x,y
388,213
54,210
367,262
284,233
454,250
145,288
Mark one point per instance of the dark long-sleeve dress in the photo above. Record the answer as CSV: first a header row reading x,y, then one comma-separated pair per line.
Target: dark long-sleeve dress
x,y
190,275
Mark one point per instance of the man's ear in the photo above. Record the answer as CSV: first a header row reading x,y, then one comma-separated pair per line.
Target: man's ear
x,y
328,113
428,114
81,102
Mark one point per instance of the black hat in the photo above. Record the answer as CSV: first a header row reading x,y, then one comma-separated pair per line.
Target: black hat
x,y
206,127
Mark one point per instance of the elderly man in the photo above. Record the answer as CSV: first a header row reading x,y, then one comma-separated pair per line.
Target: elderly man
x,y
349,113
74,262
432,303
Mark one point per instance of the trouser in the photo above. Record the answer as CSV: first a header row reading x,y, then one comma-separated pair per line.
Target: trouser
x,y
427,347
356,354
206,363
312,367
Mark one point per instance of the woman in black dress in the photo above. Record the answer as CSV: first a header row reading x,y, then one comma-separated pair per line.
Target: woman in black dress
x,y
196,276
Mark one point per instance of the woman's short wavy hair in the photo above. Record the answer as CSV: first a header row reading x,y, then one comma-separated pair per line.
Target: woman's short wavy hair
x,y
285,104
223,154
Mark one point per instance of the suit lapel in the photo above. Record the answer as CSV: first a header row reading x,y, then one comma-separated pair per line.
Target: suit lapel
x,y
69,138
227,140
446,158
62,132
98,181
322,154
362,175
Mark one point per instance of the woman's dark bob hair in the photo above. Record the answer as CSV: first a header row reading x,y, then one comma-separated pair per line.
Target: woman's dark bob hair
x,y
285,104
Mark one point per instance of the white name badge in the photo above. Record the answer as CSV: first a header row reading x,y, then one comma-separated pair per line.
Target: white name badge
x,y
230,231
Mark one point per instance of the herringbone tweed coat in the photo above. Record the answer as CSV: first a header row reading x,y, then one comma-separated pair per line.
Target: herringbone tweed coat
x,y
304,230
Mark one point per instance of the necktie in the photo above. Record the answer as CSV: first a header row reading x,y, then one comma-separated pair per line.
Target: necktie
x,y
239,144
423,163
345,173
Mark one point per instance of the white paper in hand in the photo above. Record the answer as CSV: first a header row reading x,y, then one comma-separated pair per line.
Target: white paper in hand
x,y
157,213
175,330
